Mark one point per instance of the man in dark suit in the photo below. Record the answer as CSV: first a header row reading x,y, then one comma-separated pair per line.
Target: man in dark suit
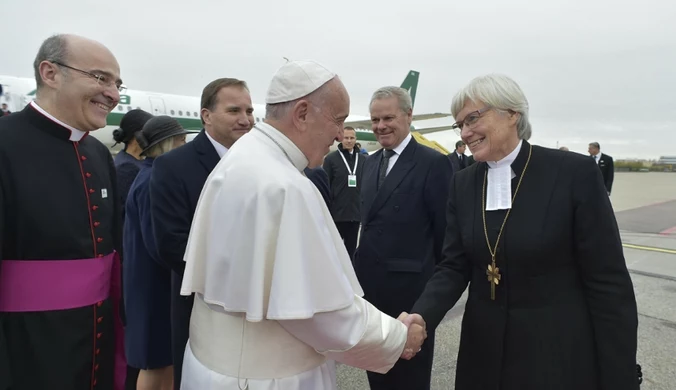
x,y
605,163
404,190
176,183
344,168
458,158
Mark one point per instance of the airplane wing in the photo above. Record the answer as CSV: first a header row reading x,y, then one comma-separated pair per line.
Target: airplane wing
x,y
366,122
436,115
427,130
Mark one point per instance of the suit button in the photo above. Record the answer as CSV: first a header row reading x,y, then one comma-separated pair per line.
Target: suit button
x,y
380,231
396,208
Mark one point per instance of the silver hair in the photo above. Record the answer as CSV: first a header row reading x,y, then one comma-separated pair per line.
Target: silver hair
x,y
54,48
497,91
279,110
402,95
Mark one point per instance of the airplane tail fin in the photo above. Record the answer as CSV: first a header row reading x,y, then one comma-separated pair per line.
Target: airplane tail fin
x,y
411,84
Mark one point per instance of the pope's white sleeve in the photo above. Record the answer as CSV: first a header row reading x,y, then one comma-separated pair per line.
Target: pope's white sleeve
x,y
360,336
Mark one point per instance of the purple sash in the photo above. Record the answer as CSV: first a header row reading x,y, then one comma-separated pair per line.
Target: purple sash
x,y
45,285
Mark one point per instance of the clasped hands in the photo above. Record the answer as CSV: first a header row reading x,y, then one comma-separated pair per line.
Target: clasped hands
x,y
417,333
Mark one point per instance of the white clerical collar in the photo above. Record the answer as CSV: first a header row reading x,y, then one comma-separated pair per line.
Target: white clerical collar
x,y
220,149
295,155
500,174
75,134
399,149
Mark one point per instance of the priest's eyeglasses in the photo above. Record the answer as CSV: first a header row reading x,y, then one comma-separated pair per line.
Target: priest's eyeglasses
x,y
470,119
103,80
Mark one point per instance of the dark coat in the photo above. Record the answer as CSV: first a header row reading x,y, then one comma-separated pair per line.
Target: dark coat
x,y
127,168
175,185
607,171
147,282
318,177
564,314
345,200
403,225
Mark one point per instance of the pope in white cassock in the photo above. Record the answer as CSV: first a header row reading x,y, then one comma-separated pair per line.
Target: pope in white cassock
x,y
276,297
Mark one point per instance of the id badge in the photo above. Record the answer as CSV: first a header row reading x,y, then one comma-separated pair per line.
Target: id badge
x,y
351,180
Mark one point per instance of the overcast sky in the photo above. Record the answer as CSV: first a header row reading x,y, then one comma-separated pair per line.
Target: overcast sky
x,y
593,70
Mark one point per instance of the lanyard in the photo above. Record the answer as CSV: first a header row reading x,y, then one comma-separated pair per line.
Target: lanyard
x,y
356,160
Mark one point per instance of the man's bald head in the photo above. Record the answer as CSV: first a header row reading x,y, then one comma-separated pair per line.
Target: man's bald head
x,y
78,80
60,48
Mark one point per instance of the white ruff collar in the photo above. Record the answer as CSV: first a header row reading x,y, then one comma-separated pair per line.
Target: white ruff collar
x,y
500,174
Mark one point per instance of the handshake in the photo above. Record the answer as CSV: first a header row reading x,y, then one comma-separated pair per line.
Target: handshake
x,y
417,333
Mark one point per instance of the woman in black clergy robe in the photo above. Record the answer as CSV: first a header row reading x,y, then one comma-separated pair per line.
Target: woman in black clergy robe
x,y
554,308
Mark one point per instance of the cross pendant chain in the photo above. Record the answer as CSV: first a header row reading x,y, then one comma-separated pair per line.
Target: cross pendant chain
x,y
493,273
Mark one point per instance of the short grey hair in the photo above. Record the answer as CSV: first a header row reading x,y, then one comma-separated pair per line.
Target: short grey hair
x,y
497,91
55,49
279,110
404,99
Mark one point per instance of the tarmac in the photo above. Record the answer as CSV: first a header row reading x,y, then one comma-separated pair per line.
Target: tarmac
x,y
645,209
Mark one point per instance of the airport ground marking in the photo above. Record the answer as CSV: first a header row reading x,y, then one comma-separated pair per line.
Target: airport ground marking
x,y
650,248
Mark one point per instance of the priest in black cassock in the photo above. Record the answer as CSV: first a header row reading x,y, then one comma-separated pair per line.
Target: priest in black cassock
x,y
60,227
551,304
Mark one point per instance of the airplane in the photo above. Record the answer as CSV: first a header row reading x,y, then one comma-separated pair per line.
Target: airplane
x,y
17,92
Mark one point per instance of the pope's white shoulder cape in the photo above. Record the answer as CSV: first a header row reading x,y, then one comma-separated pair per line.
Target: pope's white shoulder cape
x,y
262,240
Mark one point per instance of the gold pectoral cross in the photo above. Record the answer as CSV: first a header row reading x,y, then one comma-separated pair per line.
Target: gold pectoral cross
x,y
493,273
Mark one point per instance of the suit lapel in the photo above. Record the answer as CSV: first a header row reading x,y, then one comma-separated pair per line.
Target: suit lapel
x,y
401,168
206,151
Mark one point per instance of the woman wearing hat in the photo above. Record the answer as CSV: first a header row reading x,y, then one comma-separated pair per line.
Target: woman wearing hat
x,y
128,160
131,123
146,280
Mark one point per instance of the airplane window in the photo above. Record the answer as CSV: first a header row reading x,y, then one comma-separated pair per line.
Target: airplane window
x,y
120,108
128,108
180,113
172,112
195,115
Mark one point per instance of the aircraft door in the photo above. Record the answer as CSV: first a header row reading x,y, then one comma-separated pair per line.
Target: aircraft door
x,y
157,105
